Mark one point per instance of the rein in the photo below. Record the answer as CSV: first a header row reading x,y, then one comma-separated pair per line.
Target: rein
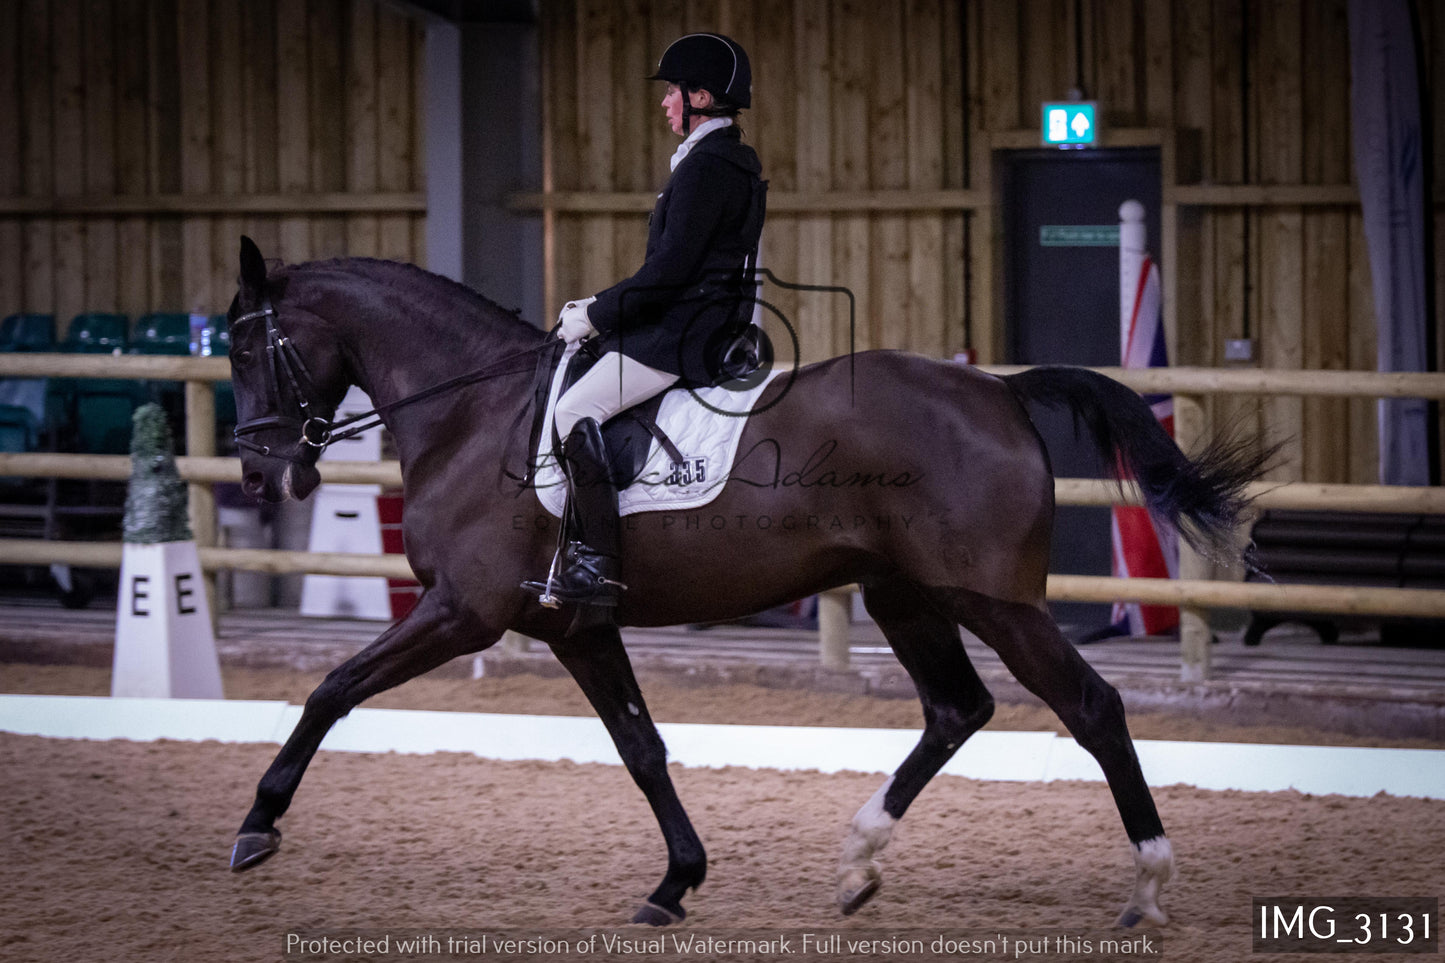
x,y
319,432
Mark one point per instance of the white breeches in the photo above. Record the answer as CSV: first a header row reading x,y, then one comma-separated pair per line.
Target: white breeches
x,y
615,383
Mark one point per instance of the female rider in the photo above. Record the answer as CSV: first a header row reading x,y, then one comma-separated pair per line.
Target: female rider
x,y
673,320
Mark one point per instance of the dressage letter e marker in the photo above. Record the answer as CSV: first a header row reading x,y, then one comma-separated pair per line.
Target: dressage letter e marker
x,y
136,595
139,583
164,643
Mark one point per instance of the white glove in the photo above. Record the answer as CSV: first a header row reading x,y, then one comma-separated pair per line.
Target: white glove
x,y
572,322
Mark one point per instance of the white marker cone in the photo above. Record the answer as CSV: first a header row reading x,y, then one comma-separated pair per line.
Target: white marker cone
x,y
164,644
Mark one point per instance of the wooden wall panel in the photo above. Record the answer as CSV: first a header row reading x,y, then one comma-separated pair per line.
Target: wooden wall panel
x,y
398,151
37,154
132,84
196,107
596,118
1118,82
924,141
158,101
138,98
850,94
559,161
68,138
99,107
228,141
1433,30
327,121
812,39
12,275
773,128
637,114
1277,136
363,231
1157,53
1363,424
1326,158
258,80
888,154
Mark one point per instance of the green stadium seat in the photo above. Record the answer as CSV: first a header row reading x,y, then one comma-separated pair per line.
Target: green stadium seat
x,y
28,332
102,414
94,413
19,432
162,334
18,429
97,333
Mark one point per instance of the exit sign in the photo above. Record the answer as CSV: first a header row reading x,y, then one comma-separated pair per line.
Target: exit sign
x,y
1070,122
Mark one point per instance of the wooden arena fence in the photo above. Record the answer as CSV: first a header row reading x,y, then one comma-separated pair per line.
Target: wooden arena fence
x,y
1194,592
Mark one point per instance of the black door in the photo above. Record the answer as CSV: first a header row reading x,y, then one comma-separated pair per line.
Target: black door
x,y
1061,281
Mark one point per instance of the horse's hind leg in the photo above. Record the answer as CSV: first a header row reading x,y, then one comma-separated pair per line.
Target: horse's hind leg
x,y
430,635
599,663
956,704
1031,646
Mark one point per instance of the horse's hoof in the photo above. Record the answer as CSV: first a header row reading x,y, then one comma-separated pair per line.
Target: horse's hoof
x,y
653,915
253,849
1133,916
857,887
1154,861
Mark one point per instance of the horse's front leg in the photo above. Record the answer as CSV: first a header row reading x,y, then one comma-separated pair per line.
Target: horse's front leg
x,y
433,633
600,665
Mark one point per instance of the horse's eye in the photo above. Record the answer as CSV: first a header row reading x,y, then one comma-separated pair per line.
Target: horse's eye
x,y
241,357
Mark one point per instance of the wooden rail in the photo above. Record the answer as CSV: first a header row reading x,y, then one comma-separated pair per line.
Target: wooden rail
x,y
779,202
290,204
1067,491
1324,599
202,469
1179,380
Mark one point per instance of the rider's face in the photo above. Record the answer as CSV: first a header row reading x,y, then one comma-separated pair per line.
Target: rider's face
x,y
672,103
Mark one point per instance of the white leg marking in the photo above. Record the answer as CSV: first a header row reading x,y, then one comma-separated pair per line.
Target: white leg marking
x,y
1154,865
858,872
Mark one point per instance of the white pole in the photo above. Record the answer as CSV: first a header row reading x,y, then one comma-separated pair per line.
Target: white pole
x,y
1133,246
1194,633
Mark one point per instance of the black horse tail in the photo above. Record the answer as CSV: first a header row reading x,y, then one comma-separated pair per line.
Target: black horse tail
x,y
1202,498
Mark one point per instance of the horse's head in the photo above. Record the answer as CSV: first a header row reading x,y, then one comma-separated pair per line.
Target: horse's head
x,y
289,377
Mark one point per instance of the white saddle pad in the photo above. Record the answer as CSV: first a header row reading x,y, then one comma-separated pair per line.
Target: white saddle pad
x,y
707,440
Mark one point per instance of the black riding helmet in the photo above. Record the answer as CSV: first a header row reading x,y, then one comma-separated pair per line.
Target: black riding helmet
x,y
711,62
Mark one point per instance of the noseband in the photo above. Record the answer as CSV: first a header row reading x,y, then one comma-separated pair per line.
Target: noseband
x,y
318,432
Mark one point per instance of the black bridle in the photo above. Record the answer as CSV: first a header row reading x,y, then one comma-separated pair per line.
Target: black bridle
x,y
317,432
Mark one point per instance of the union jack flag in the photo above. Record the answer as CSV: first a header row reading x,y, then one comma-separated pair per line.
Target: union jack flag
x,y
1141,550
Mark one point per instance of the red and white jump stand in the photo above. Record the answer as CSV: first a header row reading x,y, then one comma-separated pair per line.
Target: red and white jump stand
x,y
361,519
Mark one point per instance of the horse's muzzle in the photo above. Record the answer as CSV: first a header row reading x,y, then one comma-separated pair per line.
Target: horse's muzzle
x,y
295,481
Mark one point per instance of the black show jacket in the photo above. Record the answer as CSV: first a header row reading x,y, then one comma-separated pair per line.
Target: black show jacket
x,y
686,303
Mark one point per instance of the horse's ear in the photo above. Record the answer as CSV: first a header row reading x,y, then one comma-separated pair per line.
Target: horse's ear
x,y
253,268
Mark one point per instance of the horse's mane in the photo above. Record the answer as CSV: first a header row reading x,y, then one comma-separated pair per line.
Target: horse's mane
x,y
419,283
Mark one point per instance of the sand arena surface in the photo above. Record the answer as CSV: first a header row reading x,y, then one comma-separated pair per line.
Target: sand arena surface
x,y
117,850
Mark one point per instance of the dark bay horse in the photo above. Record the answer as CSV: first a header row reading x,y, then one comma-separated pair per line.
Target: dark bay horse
x,y
923,481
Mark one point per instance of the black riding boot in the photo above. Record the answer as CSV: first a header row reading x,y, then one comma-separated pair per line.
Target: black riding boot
x,y
591,557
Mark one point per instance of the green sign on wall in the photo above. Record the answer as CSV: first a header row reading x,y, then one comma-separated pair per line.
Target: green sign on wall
x,y
1070,122
1079,235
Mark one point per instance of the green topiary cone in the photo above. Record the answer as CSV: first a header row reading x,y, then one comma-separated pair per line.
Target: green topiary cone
x,y
156,503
